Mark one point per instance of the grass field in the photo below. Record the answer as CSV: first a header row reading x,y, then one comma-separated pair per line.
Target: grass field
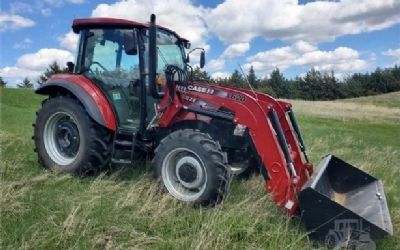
x,y
123,209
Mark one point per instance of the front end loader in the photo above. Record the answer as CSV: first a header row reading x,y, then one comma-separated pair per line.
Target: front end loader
x,y
131,92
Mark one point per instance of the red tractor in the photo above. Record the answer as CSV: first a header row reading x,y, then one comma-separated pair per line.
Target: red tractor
x,y
131,92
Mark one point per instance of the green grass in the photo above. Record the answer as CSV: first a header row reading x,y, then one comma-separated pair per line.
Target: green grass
x,y
124,209
391,100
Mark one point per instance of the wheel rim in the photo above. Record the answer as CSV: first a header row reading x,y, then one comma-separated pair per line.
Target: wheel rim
x,y
61,138
184,174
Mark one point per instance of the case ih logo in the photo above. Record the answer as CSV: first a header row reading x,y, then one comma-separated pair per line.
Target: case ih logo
x,y
234,96
200,89
195,88
349,234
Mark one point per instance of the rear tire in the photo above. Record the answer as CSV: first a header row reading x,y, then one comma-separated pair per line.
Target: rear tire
x,y
192,167
68,140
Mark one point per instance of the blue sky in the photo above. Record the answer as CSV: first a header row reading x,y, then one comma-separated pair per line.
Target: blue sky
x,y
344,36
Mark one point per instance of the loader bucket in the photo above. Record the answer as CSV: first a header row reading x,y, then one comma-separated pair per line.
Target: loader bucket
x,y
342,201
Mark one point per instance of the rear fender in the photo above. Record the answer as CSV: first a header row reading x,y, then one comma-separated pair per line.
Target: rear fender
x,y
91,97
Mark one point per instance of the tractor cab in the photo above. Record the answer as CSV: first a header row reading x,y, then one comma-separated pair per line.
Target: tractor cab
x,y
114,54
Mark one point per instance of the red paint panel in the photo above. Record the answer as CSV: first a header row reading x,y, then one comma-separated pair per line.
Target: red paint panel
x,y
96,94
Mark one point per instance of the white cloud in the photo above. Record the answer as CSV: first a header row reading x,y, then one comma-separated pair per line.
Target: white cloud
x,y
215,65
238,21
16,72
179,15
393,53
230,52
69,41
236,49
43,58
13,75
220,75
304,47
14,22
24,44
341,60
33,64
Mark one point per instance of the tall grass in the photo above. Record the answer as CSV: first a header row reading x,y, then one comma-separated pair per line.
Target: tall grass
x,y
125,209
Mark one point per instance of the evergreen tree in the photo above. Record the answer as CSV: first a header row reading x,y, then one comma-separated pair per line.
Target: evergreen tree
x,y
312,86
200,75
53,69
252,78
354,86
2,82
265,87
237,80
396,72
330,88
278,83
221,81
26,84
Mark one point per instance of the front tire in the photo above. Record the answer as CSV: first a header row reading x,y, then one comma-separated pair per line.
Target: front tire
x,y
192,167
68,140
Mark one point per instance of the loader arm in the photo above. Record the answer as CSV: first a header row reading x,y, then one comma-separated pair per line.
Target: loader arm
x,y
286,171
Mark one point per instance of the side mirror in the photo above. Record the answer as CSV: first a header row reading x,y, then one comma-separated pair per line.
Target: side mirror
x,y
130,43
186,45
202,59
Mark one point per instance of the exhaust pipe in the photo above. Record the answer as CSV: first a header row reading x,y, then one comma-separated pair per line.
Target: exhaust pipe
x,y
153,57
341,202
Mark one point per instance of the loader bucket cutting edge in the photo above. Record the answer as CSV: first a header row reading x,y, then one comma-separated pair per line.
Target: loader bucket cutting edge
x,y
341,198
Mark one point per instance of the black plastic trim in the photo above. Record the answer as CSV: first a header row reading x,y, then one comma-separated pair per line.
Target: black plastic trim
x,y
296,128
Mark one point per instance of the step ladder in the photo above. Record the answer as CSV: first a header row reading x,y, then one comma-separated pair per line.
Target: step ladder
x,y
123,146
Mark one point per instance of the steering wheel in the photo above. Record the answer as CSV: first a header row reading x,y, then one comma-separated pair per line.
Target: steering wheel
x,y
99,64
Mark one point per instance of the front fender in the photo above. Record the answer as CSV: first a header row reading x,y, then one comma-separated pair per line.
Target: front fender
x,y
91,97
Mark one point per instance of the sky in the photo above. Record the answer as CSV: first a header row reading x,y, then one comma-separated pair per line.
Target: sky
x,y
345,36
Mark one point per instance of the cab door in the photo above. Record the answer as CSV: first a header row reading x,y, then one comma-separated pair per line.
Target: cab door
x,y
112,62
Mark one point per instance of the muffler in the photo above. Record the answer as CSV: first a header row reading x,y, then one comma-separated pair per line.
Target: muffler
x,y
340,204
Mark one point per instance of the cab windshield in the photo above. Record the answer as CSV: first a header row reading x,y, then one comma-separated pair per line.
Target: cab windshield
x,y
169,51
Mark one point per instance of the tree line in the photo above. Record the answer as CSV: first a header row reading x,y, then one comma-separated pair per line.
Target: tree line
x,y
314,85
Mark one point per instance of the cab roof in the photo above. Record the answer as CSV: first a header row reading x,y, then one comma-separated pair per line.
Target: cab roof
x,y
106,22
